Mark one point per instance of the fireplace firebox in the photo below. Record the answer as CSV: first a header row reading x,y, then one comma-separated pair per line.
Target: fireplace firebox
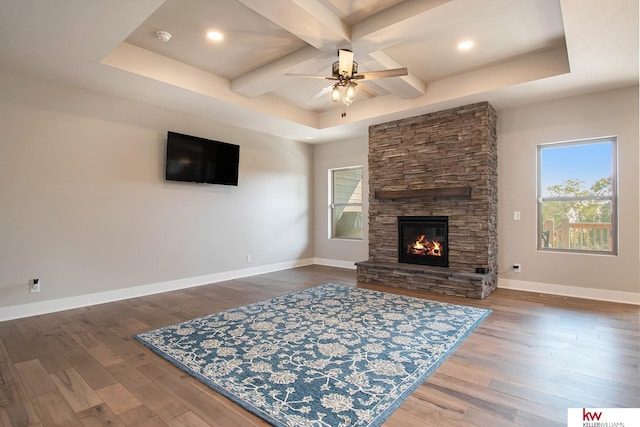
x,y
423,240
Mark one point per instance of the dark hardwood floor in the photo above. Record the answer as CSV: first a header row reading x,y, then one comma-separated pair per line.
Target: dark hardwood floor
x,y
530,360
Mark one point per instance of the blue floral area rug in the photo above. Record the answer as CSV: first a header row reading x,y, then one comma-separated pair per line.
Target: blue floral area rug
x,y
332,355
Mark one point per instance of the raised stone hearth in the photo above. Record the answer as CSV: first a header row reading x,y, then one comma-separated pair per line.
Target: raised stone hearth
x,y
439,164
427,278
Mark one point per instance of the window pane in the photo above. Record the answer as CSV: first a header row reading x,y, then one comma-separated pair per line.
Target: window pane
x,y
580,225
348,222
577,169
347,186
577,196
346,203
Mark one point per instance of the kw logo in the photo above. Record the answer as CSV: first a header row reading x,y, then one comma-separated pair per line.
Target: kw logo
x,y
590,416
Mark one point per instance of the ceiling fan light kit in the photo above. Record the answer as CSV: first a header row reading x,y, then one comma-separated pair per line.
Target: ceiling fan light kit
x,y
345,70
335,93
349,92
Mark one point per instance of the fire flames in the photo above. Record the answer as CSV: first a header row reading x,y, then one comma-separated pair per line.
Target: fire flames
x,y
425,247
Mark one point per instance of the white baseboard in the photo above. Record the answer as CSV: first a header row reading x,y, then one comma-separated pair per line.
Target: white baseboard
x,y
51,306
335,263
571,291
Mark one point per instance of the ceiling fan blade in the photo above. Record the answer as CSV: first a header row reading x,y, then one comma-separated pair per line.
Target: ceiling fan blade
x,y
323,92
372,75
310,76
345,58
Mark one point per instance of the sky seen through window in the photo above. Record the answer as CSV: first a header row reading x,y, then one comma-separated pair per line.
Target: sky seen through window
x,y
588,163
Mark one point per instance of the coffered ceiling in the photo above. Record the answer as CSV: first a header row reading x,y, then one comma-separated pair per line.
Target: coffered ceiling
x,y
523,51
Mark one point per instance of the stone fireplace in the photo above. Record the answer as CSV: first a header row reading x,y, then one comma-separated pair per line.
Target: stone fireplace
x,y
439,165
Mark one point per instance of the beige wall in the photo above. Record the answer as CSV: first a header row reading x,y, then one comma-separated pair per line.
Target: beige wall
x,y
520,130
338,252
84,205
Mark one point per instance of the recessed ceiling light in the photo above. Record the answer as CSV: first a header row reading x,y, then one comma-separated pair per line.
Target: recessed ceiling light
x,y
465,44
216,36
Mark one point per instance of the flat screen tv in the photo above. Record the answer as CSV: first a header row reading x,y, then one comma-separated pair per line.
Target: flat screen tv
x,y
194,159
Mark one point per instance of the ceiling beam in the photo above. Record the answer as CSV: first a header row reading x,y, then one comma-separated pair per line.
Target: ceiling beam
x,y
405,87
270,76
158,68
308,20
383,29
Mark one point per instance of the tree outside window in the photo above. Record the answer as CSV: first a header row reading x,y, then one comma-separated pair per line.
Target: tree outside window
x,y
345,209
577,196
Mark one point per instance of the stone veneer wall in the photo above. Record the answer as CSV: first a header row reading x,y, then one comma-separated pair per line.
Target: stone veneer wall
x,y
442,150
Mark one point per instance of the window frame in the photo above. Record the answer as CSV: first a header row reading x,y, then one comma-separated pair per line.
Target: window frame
x,y
332,204
613,198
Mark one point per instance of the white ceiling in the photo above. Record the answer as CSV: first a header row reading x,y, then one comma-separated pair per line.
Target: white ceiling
x,y
525,51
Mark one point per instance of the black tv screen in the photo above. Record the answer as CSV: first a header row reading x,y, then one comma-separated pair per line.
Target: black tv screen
x,y
194,159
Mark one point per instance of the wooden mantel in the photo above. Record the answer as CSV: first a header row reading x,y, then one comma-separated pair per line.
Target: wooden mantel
x,y
461,192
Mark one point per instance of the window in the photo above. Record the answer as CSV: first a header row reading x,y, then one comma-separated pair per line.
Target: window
x,y
577,196
345,200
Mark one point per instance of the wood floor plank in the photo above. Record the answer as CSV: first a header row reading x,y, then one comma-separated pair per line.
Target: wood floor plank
x,y
105,356
50,357
164,405
46,322
531,359
14,400
527,419
214,411
405,416
431,409
99,416
27,326
35,378
496,404
128,326
5,383
90,370
470,372
5,421
87,340
127,375
141,416
481,417
188,420
124,347
453,406
118,398
14,342
75,390
53,410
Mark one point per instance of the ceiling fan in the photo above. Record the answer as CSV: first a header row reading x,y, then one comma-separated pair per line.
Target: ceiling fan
x,y
344,71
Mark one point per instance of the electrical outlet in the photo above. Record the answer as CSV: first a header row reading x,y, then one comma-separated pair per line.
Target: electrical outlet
x,y
517,268
249,258
34,286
